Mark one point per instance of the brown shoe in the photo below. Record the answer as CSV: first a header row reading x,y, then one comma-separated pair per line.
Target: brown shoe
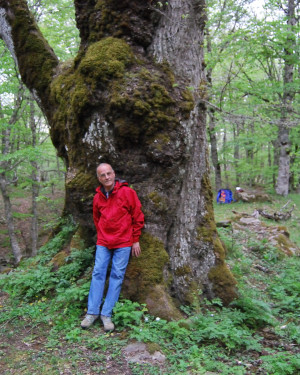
x,y
108,324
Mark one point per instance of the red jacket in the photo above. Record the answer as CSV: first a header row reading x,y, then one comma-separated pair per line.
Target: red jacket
x,y
118,218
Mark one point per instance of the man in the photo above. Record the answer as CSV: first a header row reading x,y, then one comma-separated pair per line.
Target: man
x,y
118,219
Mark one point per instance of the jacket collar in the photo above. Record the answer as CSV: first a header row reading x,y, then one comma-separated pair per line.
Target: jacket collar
x,y
118,184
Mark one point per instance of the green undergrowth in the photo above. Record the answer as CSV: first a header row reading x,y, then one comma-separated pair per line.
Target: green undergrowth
x,y
257,334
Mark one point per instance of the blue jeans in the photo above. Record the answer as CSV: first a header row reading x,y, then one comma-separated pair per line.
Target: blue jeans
x,y
119,259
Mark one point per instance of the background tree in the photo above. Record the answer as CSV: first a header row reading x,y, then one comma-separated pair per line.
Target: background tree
x,y
24,156
131,98
248,61
211,129
225,20
8,164
290,58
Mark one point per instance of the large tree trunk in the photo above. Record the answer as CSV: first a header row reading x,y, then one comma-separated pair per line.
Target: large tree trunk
x,y
130,98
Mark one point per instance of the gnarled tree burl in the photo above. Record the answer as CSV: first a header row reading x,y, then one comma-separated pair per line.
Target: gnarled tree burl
x,y
130,98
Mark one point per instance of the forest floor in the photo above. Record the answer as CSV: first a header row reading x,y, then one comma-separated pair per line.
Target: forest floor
x,y
25,349
38,338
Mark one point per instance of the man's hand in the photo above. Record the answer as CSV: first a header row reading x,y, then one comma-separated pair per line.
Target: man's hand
x,y
135,250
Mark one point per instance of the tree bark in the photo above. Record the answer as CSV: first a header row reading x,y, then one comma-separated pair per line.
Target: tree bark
x,y
131,98
236,151
225,166
282,185
35,185
214,149
249,150
16,250
5,166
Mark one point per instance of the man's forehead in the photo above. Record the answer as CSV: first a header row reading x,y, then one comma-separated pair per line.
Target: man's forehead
x,y
104,169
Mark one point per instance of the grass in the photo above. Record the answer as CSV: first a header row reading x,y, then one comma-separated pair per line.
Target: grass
x,y
41,309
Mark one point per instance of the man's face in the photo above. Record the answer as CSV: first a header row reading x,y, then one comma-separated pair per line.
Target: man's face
x,y
106,176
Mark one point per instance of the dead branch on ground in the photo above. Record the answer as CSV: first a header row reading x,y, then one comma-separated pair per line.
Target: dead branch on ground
x,y
282,214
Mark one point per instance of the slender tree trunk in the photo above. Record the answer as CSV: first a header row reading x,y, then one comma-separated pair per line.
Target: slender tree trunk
x,y
295,174
35,185
250,152
34,209
282,186
269,156
16,250
4,182
214,150
224,143
275,161
212,128
236,152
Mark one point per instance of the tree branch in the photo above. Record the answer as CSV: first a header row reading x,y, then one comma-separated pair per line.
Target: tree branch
x,y
34,57
231,115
